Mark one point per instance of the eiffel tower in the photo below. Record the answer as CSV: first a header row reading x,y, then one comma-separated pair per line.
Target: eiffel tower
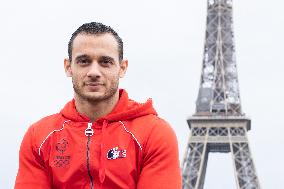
x,y
219,124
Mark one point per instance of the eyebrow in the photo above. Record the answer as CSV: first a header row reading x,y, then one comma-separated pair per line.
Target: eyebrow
x,y
106,58
85,56
82,56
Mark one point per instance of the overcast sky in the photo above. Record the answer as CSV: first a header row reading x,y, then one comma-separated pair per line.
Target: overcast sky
x,y
164,42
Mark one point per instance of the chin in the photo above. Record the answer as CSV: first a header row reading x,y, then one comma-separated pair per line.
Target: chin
x,y
95,95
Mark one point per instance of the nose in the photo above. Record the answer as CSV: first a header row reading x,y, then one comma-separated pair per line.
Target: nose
x,y
94,70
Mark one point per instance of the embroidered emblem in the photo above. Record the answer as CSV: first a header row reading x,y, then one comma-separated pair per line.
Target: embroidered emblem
x,y
115,153
61,160
61,146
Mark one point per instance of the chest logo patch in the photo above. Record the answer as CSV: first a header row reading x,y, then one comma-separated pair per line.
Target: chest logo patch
x,y
115,153
61,159
61,146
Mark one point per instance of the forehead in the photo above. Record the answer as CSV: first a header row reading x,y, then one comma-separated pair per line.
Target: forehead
x,y
95,45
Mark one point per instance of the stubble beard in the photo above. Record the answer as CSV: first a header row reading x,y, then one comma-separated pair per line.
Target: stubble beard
x,y
107,95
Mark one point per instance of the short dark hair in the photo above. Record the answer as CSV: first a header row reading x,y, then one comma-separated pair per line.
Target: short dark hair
x,y
95,28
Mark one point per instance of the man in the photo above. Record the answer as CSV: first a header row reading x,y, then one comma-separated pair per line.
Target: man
x,y
101,138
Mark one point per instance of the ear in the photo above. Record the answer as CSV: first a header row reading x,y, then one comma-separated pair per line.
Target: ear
x,y
67,67
123,68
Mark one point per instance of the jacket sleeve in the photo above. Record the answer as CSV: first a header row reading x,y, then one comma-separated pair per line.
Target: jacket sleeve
x,y
160,169
32,172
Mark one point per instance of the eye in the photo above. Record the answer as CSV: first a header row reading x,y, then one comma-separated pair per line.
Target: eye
x,y
106,61
83,61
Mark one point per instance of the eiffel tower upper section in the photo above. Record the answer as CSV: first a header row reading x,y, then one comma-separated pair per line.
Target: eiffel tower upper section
x,y
219,88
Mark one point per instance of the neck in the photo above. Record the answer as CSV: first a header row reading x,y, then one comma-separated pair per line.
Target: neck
x,y
96,109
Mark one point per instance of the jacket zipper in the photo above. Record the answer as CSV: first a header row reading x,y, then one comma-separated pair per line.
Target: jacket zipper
x,y
89,132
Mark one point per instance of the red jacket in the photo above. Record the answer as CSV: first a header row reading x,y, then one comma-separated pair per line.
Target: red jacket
x,y
129,148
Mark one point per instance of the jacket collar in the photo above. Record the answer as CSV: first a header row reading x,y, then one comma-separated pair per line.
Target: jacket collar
x,y
125,109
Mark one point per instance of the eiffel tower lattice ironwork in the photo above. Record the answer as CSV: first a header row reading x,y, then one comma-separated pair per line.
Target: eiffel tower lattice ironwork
x,y
219,124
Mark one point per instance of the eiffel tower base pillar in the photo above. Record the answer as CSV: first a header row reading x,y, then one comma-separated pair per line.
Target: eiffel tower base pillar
x,y
218,135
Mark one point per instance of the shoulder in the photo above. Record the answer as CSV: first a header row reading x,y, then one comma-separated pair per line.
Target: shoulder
x,y
159,140
153,129
47,123
150,121
161,133
40,129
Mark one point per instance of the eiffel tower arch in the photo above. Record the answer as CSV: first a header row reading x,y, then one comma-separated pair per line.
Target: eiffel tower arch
x,y
219,125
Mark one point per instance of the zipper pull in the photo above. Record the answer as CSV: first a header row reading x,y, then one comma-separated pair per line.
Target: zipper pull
x,y
89,131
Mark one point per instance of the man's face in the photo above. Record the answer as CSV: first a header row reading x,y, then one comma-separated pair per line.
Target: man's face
x,y
95,68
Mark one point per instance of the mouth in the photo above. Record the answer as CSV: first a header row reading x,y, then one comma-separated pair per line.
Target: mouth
x,y
90,83
93,86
